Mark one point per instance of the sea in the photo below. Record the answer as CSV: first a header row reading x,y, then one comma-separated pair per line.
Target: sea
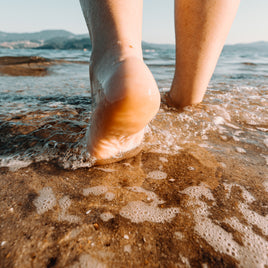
x,y
45,118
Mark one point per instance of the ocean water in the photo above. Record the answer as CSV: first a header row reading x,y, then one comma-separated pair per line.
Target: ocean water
x,y
46,118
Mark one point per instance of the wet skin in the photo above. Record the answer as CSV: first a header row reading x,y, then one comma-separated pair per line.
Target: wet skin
x,y
127,99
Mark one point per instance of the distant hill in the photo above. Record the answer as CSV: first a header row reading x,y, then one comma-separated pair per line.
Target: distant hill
x,y
48,39
37,36
56,39
259,44
63,43
61,39
146,45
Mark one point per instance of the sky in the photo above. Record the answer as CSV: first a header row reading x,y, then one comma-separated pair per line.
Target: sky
x,y
251,22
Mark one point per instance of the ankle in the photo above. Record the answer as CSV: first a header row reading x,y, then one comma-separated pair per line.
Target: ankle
x,y
179,101
115,52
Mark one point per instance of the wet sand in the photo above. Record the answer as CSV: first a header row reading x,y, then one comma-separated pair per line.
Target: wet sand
x,y
155,210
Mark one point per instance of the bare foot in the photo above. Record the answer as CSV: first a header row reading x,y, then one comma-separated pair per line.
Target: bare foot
x,y
127,98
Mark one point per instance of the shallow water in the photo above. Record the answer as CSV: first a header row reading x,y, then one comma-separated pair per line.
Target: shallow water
x,y
196,196
45,118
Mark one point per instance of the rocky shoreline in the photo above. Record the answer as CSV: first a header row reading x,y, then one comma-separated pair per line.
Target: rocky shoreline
x,y
24,66
29,65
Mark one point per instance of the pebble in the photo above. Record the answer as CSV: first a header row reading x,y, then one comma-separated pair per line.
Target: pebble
x,y
96,226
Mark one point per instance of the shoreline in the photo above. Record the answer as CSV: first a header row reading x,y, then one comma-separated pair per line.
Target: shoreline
x,y
29,65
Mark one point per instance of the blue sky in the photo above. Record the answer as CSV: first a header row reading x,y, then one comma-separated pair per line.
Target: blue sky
x,y
251,23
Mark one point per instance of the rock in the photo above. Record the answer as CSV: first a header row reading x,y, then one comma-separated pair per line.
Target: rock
x,y
24,66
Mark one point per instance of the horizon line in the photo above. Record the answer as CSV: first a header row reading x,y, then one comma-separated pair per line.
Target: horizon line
x,y
257,41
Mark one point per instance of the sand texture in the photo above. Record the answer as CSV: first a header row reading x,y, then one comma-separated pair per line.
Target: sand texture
x,y
154,210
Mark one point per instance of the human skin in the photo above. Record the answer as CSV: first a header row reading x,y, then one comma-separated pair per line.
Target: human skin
x,y
201,29
123,88
126,94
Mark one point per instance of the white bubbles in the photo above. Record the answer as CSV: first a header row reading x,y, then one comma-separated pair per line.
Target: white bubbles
x,y
109,196
69,218
249,198
45,201
99,190
139,211
217,237
106,216
254,218
64,204
14,164
96,190
87,261
228,188
254,251
198,191
151,196
157,175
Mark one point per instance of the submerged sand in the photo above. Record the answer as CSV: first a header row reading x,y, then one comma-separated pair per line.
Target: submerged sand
x,y
188,209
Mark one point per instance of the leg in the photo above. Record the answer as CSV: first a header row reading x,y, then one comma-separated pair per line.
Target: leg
x,y
126,93
201,29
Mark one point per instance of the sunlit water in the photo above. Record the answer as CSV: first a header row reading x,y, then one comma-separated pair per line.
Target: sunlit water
x,y
46,118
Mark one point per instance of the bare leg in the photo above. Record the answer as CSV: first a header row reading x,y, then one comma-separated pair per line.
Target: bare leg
x,y
126,93
201,30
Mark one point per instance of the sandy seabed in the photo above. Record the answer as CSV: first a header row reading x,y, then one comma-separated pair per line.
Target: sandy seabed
x,y
155,210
